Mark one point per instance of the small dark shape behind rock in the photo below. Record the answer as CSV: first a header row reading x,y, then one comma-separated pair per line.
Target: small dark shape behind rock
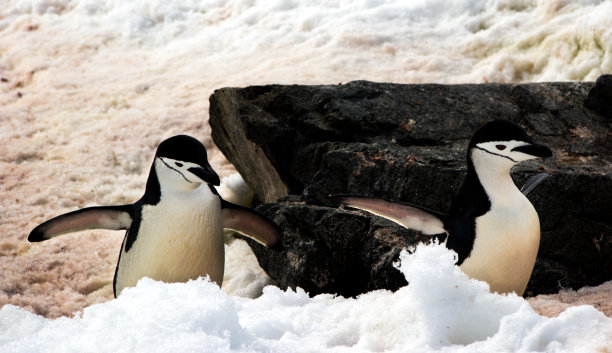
x,y
600,97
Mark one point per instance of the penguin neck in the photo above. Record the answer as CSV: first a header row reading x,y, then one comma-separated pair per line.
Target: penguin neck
x,y
493,174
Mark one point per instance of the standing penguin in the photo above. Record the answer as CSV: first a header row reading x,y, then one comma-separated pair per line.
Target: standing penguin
x,y
491,225
175,231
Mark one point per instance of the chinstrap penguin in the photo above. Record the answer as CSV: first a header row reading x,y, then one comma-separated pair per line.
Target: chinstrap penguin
x,y
491,224
175,231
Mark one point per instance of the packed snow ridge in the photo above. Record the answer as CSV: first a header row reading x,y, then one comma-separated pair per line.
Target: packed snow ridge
x,y
440,310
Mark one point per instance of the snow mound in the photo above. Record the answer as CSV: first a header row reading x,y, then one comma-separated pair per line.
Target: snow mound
x,y
441,310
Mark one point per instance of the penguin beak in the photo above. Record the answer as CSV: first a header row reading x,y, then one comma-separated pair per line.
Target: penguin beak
x,y
535,150
206,173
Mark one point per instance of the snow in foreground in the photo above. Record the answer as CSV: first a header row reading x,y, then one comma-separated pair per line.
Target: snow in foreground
x,y
441,310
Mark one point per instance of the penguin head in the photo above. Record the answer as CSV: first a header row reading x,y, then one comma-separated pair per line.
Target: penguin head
x,y
181,162
503,144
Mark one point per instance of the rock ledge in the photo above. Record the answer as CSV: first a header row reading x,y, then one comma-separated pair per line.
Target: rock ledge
x,y
295,145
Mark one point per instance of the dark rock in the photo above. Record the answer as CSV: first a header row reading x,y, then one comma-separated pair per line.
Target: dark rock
x,y
600,97
333,250
407,142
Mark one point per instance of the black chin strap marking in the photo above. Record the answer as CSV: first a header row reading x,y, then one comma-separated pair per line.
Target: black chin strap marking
x,y
495,154
176,170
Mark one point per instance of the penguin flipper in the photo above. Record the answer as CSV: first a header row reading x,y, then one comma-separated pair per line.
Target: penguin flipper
x,y
532,182
250,223
410,216
99,217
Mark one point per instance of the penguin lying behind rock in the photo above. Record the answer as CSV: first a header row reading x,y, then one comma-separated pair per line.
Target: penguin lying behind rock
x,y
175,231
491,225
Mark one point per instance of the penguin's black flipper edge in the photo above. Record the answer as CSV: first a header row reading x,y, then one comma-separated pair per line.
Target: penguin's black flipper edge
x,y
532,182
251,224
412,217
99,217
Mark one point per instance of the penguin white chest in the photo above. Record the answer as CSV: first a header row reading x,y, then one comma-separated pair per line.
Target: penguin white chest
x,y
180,238
506,246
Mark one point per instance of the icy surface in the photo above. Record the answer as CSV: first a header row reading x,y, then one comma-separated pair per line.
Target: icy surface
x,y
441,310
89,88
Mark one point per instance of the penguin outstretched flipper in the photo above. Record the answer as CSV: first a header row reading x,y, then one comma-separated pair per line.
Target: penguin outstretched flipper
x,y
410,216
99,217
532,182
251,224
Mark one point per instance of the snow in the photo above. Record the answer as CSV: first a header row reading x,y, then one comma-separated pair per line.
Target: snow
x,y
89,88
441,310
234,189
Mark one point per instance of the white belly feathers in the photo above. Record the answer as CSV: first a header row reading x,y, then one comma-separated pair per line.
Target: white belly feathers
x,y
184,229
506,247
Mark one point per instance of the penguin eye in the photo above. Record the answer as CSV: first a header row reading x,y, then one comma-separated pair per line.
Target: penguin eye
x,y
500,147
178,164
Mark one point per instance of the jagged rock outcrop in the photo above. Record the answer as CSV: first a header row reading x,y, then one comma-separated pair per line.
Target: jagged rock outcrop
x,y
296,145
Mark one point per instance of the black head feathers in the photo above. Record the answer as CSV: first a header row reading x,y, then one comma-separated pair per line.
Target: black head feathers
x,y
506,131
183,148
500,130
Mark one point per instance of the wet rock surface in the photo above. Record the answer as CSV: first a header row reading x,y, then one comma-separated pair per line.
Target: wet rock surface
x,y
296,145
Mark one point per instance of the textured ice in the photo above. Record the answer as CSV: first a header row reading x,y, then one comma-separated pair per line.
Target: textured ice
x,y
441,310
